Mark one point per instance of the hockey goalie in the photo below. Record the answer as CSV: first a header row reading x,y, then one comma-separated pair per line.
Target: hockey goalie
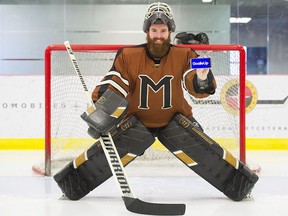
x,y
141,98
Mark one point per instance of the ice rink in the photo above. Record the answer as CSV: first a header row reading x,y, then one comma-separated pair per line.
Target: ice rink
x,y
24,193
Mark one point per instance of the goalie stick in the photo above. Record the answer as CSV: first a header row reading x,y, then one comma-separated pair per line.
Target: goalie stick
x,y
132,203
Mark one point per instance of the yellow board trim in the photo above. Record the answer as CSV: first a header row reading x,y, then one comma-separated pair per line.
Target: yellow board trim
x,y
38,144
22,143
267,143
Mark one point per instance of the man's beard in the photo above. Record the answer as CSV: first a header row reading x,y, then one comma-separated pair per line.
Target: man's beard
x,y
158,50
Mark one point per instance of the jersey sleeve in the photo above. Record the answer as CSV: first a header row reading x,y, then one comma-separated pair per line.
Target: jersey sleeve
x,y
191,85
116,79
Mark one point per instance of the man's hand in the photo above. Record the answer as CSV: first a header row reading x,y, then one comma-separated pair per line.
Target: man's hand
x,y
202,73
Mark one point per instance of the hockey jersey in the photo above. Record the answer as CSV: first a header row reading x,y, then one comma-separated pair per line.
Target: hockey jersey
x,y
154,91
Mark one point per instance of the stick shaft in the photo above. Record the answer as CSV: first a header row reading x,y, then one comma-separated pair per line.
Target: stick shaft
x,y
107,145
77,70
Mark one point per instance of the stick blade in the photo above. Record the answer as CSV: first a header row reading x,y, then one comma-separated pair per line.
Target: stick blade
x,y
138,206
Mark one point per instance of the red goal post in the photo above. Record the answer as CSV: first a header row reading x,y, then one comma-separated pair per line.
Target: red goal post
x,y
95,61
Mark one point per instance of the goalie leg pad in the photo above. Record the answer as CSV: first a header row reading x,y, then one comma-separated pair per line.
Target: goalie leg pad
x,y
91,168
207,158
241,183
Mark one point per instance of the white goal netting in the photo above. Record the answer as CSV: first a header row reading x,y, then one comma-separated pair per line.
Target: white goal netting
x,y
66,133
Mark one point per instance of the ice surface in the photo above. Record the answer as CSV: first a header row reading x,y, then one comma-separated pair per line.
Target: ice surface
x,y
24,193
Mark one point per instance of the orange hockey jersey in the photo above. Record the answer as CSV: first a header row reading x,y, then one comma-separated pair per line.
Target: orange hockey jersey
x,y
154,92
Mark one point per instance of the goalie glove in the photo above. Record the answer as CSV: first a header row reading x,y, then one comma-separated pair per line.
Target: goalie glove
x,y
189,38
185,38
202,38
106,113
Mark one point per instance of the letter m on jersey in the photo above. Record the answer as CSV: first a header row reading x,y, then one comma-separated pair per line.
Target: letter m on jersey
x,y
146,83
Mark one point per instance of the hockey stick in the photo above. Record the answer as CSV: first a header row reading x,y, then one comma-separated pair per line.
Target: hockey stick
x,y
132,203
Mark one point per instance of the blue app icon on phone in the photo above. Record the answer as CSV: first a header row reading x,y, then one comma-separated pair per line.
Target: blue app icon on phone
x,y
200,63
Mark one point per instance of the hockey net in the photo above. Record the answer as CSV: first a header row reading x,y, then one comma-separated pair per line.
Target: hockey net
x,y
221,115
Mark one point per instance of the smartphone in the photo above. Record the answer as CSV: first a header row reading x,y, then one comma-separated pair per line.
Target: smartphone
x,y
200,63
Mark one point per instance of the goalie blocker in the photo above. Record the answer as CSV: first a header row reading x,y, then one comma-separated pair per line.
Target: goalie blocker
x,y
105,114
186,140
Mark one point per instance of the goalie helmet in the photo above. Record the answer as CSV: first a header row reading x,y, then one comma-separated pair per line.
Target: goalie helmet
x,y
158,13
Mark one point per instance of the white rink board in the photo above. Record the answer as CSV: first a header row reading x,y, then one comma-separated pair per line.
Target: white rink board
x,y
22,107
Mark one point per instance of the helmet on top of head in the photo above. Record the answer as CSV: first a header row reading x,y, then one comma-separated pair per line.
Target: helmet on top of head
x,y
159,13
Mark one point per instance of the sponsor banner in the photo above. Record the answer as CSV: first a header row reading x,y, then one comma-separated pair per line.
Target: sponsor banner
x,y
22,106
22,109
267,102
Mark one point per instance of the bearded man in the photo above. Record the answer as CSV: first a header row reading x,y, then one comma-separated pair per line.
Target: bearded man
x,y
151,77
